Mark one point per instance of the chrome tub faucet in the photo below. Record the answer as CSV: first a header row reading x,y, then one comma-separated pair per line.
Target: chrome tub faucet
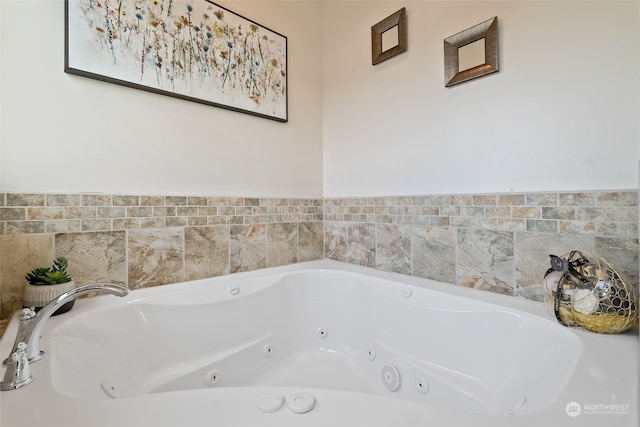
x,y
26,347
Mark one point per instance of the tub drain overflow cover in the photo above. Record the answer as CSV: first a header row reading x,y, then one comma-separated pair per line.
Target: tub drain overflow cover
x,y
271,403
301,403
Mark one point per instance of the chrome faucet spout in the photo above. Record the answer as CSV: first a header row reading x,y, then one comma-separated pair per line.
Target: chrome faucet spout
x,y
31,324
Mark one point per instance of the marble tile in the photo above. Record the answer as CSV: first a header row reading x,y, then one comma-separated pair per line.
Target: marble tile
x,y
139,211
542,199
13,214
24,227
336,236
462,222
577,227
462,200
187,211
485,199
622,253
176,221
227,210
217,220
627,214
207,210
577,199
434,253
486,260
64,226
393,248
542,225
19,254
449,210
164,211
590,213
197,220
440,221
155,257
485,223
197,201
158,222
95,224
22,199
95,256
362,230
56,213
511,199
310,241
125,223
80,212
269,201
151,200
176,201
361,248
531,292
472,211
237,220
497,211
533,250
125,200
618,229
96,200
511,224
617,198
112,212
528,212
247,247
3,324
217,201
64,199
206,251
282,247
563,212
245,210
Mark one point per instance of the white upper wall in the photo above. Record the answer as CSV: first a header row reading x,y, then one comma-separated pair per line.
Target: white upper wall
x,y
64,133
561,114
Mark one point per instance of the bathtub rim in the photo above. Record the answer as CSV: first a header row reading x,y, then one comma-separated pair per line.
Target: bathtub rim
x,y
590,340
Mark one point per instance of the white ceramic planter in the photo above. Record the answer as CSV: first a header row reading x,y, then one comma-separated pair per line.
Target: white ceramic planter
x,y
38,296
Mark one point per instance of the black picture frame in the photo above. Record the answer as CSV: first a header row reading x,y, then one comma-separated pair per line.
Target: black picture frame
x,y
193,50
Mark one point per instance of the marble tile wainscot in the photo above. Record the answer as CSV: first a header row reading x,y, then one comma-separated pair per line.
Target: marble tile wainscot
x,y
495,242
141,241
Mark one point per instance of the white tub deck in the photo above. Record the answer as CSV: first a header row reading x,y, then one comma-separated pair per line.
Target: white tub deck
x,y
465,357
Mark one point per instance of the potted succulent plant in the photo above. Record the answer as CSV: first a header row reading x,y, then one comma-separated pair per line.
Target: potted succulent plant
x,y
46,284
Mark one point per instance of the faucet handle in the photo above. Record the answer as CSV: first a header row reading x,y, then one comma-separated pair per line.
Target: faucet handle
x,y
17,374
28,313
23,364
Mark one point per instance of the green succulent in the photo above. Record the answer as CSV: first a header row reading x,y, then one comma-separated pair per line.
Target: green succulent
x,y
54,275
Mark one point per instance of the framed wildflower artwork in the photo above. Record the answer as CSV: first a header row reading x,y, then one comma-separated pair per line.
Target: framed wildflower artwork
x,y
192,50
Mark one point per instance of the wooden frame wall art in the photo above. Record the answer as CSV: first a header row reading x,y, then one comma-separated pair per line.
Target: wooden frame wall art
x,y
395,22
487,31
192,50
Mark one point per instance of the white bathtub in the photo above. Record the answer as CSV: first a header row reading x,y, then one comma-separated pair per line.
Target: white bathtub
x,y
321,344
